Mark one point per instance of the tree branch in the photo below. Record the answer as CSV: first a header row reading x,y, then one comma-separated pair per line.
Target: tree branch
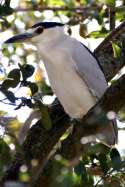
x,y
72,148
40,142
112,100
65,8
61,8
112,17
104,52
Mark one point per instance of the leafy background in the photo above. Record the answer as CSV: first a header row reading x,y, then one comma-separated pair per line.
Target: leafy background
x,y
22,76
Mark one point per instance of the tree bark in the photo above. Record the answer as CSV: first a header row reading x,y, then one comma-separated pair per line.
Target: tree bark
x,y
72,148
104,52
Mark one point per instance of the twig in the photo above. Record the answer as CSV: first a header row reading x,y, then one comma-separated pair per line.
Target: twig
x,y
112,17
63,8
8,103
103,177
1,100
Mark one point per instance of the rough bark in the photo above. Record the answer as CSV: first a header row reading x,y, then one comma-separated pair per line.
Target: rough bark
x,y
72,148
39,143
111,65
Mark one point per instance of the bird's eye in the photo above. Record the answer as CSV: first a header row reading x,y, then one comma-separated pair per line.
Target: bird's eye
x,y
39,30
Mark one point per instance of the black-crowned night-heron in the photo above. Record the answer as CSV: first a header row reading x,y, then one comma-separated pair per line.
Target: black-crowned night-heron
x,y
74,73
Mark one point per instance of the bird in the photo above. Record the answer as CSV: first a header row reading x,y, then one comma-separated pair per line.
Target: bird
x,y
75,74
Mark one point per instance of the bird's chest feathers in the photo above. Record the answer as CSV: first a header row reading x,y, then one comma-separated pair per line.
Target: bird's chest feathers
x,y
70,89
57,61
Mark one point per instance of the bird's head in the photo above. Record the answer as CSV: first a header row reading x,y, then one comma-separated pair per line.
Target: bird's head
x,y
40,31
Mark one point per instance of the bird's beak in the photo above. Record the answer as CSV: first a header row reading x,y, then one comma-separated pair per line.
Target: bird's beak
x,y
20,38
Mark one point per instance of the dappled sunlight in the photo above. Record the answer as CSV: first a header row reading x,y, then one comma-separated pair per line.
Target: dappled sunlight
x,y
40,141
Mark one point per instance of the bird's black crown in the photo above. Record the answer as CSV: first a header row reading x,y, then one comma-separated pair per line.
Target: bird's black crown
x,y
47,25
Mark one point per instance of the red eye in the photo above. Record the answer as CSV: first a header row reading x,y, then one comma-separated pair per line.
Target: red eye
x,y
39,30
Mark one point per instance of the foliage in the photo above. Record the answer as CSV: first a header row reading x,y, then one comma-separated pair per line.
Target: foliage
x,y
99,166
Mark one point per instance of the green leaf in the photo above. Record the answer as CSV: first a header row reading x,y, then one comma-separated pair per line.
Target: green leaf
x,y
12,80
116,159
9,83
46,90
99,16
122,115
103,162
80,170
46,120
69,180
98,34
123,43
5,155
116,50
99,148
33,87
27,71
10,95
108,2
5,10
14,74
27,102
120,16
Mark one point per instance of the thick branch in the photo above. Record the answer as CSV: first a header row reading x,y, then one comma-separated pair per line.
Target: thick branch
x,y
72,148
39,142
104,52
112,100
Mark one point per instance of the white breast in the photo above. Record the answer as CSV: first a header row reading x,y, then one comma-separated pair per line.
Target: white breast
x,y
68,86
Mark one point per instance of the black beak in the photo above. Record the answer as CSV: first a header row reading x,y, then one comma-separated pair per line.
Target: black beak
x,y
19,38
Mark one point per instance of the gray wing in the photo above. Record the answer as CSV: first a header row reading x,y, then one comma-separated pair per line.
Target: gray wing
x,y
88,68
